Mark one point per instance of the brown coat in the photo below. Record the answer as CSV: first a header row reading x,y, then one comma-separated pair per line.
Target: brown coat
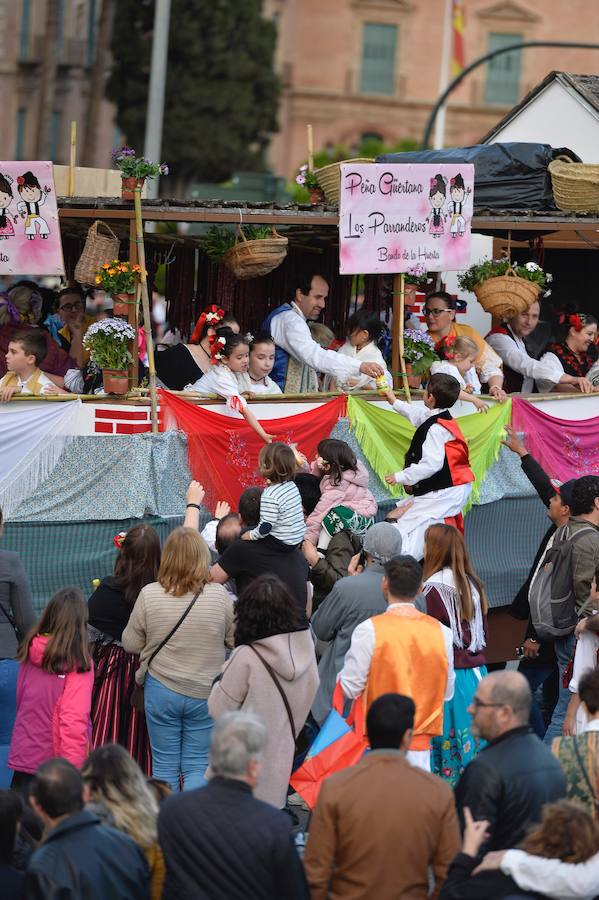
x,y
246,684
376,829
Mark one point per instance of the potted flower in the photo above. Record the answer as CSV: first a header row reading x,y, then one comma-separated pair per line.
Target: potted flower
x,y
503,289
107,341
119,280
415,278
308,179
419,354
134,170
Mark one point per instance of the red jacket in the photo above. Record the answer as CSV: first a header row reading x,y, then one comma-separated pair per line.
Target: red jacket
x,y
53,713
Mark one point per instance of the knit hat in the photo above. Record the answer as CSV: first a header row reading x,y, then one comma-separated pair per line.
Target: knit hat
x,y
382,541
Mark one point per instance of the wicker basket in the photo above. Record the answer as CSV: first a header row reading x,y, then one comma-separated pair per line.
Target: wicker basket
x,y
329,176
251,259
99,249
575,185
506,295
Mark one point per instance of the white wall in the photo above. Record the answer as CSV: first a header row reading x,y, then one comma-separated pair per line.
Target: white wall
x,y
558,117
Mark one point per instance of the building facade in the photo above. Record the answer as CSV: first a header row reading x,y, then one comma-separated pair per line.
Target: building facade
x,y
47,65
356,68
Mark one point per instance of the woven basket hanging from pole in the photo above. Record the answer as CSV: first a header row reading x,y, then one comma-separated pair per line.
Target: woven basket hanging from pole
x,y
99,249
506,296
251,259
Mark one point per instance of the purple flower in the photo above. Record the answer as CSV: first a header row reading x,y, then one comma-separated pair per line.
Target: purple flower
x,y
163,169
300,179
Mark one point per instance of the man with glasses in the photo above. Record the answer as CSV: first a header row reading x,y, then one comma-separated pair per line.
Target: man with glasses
x,y
439,313
515,774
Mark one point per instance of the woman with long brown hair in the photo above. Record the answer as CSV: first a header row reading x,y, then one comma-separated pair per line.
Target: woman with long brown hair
x,y
54,689
114,719
180,626
455,596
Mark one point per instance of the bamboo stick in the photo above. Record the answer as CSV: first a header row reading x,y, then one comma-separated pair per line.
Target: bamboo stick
x,y
398,362
310,148
73,159
145,302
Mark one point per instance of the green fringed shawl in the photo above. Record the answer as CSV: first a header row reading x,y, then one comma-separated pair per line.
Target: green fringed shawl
x,y
384,437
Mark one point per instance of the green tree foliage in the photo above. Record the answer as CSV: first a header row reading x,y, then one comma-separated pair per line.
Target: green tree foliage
x,y
221,89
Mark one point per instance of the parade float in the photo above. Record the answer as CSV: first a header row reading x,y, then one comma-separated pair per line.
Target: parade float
x,y
76,470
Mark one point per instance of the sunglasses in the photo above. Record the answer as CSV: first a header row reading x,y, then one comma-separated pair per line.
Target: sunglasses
x,y
71,307
435,312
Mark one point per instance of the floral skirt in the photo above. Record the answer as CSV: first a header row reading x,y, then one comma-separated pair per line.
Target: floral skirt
x,y
114,720
452,751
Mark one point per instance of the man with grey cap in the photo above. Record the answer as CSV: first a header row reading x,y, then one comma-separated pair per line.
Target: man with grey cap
x,y
352,600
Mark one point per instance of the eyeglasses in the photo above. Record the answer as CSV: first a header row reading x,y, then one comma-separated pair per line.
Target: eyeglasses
x,y
434,312
71,307
480,704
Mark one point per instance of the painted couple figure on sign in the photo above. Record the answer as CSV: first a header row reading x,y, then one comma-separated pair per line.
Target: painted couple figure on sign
x,y
455,208
32,197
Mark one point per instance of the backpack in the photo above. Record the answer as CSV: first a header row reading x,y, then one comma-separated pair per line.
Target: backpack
x,y
551,594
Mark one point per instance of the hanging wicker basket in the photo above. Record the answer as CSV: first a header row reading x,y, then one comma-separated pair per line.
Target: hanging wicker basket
x,y
99,249
251,259
506,295
329,177
575,185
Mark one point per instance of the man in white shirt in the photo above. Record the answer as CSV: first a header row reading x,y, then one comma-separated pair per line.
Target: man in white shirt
x,y
403,651
298,357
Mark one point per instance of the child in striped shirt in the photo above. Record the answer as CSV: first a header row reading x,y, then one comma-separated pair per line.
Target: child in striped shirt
x,y
281,513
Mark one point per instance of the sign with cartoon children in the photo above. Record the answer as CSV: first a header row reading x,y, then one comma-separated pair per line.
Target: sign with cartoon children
x,y
29,231
393,217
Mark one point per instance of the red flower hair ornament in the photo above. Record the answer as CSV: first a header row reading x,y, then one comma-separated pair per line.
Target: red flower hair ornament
x,y
574,320
217,345
213,315
20,180
446,346
118,539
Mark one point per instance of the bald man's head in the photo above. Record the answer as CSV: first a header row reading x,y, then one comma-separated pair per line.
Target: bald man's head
x,y
501,703
513,690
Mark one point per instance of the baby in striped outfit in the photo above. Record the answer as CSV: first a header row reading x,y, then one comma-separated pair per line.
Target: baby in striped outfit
x,y
281,513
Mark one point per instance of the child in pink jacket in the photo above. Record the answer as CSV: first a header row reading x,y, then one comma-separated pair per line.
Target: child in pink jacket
x,y
345,501
54,688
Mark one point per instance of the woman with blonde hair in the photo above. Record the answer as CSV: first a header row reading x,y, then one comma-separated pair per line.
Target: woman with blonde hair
x,y
180,626
116,789
455,596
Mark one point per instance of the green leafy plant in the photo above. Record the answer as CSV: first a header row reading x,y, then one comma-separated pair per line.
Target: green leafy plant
x,y
132,166
107,341
418,275
307,179
219,239
419,350
493,268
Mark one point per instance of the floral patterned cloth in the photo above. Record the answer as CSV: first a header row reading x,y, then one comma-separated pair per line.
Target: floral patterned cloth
x,y
571,363
577,784
457,746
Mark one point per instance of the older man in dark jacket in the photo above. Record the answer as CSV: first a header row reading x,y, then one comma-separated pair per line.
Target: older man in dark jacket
x,y
80,859
515,774
219,842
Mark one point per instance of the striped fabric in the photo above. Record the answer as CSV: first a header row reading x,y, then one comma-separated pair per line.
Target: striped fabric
x,y
281,507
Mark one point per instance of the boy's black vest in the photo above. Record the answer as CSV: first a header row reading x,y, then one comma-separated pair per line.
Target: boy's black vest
x,y
456,466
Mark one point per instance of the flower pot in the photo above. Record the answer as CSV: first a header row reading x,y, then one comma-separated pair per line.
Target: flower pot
x,y
316,196
116,381
121,304
414,381
128,186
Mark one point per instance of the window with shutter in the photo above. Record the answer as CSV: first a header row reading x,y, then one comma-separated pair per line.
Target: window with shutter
x,y
502,86
379,44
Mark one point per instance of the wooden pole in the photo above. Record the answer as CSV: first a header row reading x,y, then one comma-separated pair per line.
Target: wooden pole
x,y
133,311
145,302
397,349
310,148
73,159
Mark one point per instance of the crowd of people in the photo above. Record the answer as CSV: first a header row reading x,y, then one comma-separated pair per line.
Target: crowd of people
x,y
42,349
150,731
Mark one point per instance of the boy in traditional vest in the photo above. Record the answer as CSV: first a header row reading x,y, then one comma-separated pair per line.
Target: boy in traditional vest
x,y
406,652
25,353
437,469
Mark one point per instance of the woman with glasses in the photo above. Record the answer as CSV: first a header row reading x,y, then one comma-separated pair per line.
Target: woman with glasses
x,y
439,313
72,323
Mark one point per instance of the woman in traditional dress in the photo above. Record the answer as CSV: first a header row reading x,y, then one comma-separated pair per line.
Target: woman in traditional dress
x,y
578,333
114,719
456,597
185,363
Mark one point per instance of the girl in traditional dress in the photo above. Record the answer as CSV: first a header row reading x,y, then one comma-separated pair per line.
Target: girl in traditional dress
x,y
457,358
230,354
456,597
114,720
6,196
578,333
437,196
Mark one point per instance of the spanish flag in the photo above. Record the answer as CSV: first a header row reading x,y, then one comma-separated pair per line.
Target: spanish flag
x,y
457,33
